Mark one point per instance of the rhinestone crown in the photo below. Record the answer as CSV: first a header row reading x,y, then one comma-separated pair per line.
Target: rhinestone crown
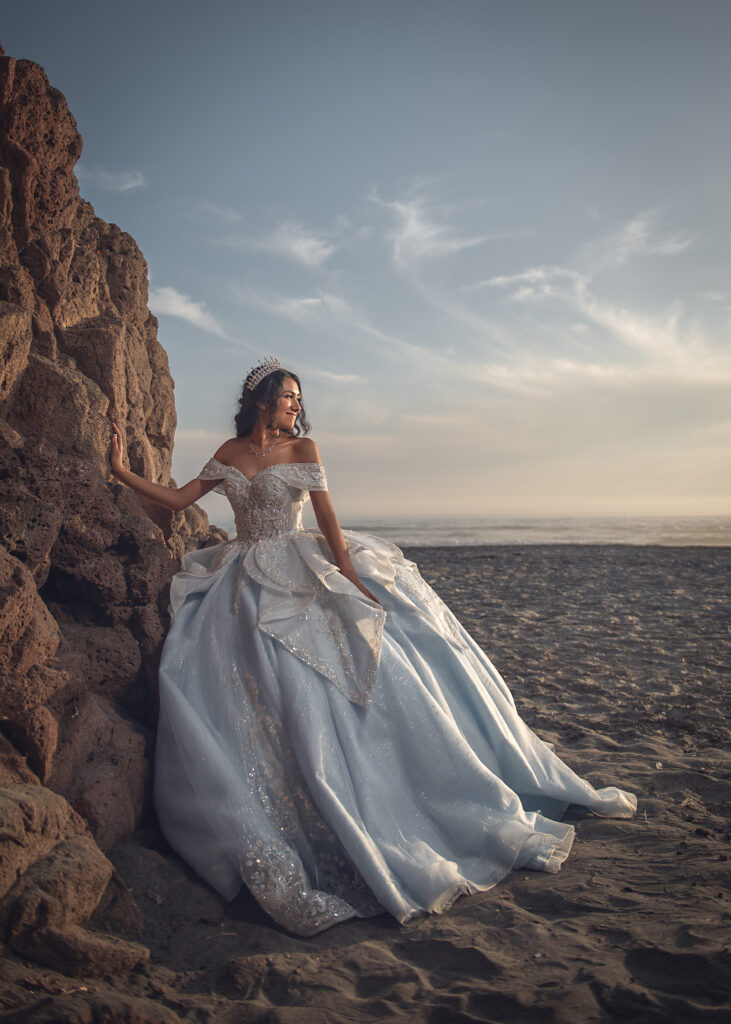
x,y
257,374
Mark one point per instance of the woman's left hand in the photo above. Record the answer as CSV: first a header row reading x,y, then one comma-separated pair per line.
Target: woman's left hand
x,y
361,587
366,591
350,575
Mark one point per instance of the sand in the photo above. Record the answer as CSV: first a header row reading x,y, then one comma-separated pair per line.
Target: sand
x,y
618,655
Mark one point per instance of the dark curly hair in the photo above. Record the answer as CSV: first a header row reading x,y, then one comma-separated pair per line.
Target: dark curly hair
x,y
268,391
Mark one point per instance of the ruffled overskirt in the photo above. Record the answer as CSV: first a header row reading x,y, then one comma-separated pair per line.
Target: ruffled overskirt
x,y
341,757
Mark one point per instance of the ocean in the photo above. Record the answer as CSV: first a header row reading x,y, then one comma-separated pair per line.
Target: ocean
x,y
668,531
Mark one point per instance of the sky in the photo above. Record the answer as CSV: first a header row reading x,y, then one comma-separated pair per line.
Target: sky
x,y
492,238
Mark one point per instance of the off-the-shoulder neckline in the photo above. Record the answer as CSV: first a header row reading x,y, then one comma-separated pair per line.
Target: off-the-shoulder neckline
x,y
274,465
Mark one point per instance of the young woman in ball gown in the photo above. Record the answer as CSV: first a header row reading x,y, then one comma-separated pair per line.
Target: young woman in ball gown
x,y
330,735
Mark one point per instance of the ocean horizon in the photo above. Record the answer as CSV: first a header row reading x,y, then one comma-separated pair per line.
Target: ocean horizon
x,y
439,531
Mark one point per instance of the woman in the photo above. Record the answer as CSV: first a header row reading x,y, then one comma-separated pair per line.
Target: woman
x,y
329,733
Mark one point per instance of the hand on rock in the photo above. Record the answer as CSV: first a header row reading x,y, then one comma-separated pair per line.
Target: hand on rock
x,y
115,456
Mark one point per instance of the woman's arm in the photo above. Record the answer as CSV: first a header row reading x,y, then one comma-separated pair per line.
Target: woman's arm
x,y
173,498
330,529
307,451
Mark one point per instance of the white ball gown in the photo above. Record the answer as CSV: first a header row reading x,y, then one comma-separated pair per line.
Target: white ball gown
x,y
337,756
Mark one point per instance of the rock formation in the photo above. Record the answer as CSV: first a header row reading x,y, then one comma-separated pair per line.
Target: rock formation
x,y
84,568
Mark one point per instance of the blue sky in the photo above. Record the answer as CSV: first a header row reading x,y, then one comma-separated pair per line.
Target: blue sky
x,y
492,237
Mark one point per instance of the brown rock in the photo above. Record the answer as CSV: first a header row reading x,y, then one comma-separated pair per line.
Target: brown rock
x,y
13,768
28,528
61,888
97,580
52,878
111,658
10,439
37,733
15,341
84,567
101,768
34,821
29,637
62,404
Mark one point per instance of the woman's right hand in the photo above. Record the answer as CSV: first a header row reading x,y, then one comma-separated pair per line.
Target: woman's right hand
x,y
115,455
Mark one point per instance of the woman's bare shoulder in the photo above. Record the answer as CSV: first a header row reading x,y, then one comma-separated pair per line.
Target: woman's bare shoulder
x,y
227,449
304,449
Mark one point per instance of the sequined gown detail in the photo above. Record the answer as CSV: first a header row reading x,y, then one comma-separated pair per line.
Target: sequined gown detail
x,y
341,757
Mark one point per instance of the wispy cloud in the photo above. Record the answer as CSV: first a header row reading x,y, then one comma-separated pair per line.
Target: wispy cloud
x,y
299,309
293,241
204,209
537,375
540,375
656,335
660,345
660,351
168,301
110,181
421,232
326,310
336,378
290,240
534,281
224,213
636,237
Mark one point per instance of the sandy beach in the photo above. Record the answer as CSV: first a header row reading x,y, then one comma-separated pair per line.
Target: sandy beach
x,y
620,657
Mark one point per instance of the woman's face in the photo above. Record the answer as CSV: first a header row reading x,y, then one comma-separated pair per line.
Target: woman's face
x,y
288,405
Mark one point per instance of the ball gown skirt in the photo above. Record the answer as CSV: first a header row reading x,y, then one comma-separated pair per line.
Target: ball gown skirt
x,y
337,756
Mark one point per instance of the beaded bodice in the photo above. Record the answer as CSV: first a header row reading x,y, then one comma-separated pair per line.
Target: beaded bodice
x,y
270,503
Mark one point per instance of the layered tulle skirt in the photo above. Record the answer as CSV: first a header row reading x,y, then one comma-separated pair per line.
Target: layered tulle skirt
x,y
340,757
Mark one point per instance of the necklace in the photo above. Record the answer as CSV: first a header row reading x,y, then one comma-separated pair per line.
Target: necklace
x,y
265,451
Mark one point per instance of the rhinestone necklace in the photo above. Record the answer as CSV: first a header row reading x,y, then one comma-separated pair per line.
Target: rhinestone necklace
x,y
265,451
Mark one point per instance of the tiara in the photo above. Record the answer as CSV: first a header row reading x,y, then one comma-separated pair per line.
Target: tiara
x,y
257,373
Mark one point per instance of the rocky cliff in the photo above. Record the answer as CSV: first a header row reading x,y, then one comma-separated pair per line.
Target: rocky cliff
x,y
84,568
